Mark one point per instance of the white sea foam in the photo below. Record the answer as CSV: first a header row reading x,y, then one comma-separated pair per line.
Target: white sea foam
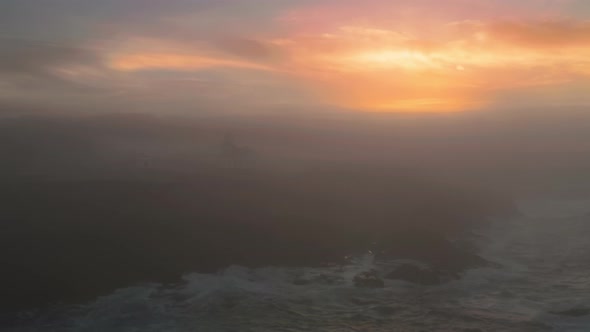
x,y
542,268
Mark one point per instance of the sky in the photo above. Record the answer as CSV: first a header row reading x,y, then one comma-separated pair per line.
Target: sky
x,y
370,56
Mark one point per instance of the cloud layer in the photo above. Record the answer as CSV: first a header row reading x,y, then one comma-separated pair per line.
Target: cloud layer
x,y
379,55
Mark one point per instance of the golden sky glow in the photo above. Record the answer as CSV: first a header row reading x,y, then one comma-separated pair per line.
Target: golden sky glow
x,y
375,55
172,61
382,69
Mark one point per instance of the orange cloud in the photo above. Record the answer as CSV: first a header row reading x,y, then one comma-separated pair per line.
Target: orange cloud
x,y
543,34
428,64
172,61
464,65
144,53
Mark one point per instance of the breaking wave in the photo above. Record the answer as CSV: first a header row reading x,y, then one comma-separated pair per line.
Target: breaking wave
x,y
538,281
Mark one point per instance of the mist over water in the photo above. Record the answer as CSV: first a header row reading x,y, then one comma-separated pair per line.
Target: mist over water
x,y
472,222
294,165
504,296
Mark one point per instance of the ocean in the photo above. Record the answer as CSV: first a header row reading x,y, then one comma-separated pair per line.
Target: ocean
x,y
538,280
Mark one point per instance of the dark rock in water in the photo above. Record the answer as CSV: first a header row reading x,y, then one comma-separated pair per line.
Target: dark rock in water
x,y
323,279
368,279
417,275
574,312
429,247
87,237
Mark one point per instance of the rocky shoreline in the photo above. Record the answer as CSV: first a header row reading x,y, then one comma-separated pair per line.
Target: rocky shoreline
x,y
72,241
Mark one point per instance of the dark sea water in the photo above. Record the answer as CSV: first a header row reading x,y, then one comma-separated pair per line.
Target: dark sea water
x,y
540,282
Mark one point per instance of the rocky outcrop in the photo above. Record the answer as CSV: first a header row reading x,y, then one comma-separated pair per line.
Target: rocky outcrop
x,y
445,259
418,275
79,239
368,279
322,279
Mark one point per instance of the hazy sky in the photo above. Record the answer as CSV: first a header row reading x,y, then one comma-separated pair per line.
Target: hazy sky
x,y
377,55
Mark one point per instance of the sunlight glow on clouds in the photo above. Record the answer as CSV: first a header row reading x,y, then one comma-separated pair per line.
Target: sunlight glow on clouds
x,y
381,69
377,55
155,61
